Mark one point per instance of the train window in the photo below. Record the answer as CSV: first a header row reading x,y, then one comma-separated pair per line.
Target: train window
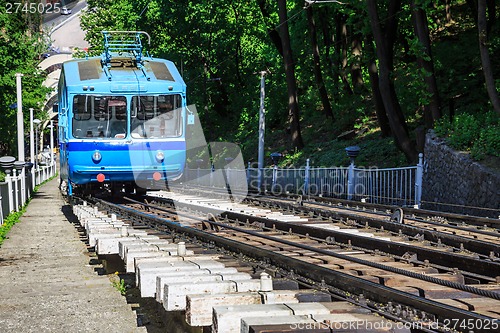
x,y
144,106
103,110
81,109
121,111
99,116
156,116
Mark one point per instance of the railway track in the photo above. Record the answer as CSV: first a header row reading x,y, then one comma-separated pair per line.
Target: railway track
x,y
457,233
363,257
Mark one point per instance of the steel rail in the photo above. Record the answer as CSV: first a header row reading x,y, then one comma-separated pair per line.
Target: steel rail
x,y
456,241
486,268
473,220
427,278
415,219
459,242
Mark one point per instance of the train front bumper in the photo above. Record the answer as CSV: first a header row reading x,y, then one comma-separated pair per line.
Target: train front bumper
x,y
83,174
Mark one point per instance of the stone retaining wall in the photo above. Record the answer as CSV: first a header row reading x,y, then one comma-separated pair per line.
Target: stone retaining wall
x,y
453,182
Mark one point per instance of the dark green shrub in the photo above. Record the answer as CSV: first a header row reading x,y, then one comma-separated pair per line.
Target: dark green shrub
x,y
466,129
488,143
477,133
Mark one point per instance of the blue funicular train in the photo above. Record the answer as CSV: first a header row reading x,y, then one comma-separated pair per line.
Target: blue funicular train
x,y
122,119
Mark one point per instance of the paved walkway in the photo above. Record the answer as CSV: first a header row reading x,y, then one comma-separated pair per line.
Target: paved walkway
x,y
47,283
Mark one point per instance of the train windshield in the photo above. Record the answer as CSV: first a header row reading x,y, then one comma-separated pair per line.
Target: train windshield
x,y
156,116
99,117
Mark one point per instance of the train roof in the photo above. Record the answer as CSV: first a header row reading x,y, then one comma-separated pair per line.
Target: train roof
x,y
122,73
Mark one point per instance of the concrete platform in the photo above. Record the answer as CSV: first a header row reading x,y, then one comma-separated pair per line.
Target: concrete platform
x,y
47,280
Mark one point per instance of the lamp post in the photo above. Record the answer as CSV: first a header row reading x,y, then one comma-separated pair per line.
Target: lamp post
x,y
35,160
262,128
32,150
51,126
20,119
32,140
20,128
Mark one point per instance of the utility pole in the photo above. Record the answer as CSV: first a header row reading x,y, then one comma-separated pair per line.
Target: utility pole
x,y
262,128
51,143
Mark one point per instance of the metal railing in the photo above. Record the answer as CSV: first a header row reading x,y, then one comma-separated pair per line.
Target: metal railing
x,y
16,189
393,186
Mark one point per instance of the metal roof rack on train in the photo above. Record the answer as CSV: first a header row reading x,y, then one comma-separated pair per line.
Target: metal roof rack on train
x,y
116,42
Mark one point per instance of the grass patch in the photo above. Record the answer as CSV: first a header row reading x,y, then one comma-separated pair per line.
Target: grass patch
x,y
9,222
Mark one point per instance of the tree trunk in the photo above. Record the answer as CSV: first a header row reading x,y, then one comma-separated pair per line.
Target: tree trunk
x,y
327,39
383,121
293,106
449,19
273,33
485,56
357,52
317,65
342,45
335,57
432,111
384,49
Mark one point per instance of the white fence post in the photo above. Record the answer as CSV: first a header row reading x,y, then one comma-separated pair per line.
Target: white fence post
x,y
418,180
16,190
8,179
1,211
212,170
307,177
23,186
351,152
350,181
248,174
19,186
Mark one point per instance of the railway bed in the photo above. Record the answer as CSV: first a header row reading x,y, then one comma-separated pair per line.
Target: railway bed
x,y
384,283
209,278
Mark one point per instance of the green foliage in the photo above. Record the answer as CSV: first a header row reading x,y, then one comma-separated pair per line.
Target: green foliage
x,y
119,284
222,46
20,46
488,143
477,133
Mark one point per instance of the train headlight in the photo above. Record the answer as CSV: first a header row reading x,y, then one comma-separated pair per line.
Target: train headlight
x,y
96,157
160,156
